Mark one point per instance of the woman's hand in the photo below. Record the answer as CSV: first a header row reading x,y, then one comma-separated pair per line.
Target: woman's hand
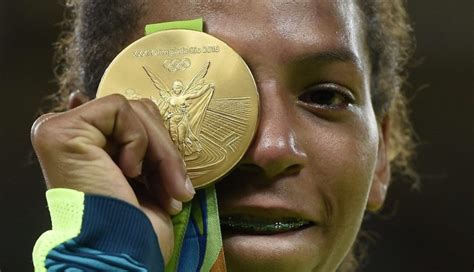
x,y
118,148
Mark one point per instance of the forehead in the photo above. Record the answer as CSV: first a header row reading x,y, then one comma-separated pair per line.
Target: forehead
x,y
294,26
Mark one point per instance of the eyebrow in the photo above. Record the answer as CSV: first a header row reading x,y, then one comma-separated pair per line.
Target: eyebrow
x,y
329,56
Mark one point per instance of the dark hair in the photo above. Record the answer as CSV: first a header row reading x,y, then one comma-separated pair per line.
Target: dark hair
x,y
94,32
389,37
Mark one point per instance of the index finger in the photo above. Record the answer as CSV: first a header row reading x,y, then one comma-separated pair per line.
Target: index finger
x,y
163,154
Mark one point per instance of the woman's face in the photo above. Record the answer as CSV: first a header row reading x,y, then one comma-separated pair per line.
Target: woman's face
x,y
319,153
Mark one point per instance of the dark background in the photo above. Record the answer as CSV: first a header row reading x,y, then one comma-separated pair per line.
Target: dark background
x,y
426,230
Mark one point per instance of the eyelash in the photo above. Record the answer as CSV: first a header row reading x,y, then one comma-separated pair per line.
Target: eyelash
x,y
322,96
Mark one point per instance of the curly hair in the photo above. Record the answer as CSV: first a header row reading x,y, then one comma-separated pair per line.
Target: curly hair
x,y
389,36
94,32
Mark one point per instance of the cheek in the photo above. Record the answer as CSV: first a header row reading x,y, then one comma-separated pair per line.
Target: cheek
x,y
352,169
342,157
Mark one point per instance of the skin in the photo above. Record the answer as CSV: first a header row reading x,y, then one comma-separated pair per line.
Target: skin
x,y
319,153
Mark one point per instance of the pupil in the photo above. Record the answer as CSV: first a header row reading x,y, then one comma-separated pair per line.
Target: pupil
x,y
322,97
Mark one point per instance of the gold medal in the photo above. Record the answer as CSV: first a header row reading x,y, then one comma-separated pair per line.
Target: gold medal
x,y
205,92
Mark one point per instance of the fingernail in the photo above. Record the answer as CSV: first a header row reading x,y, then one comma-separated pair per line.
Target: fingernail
x,y
138,170
189,186
176,205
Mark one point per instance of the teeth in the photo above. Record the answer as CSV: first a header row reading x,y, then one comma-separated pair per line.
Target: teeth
x,y
258,225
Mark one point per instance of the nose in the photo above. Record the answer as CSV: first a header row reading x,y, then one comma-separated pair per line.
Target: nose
x,y
275,150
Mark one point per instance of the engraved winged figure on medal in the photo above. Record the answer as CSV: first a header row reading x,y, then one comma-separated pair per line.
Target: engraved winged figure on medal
x,y
183,107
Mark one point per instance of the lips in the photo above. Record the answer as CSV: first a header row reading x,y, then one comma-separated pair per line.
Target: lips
x,y
261,225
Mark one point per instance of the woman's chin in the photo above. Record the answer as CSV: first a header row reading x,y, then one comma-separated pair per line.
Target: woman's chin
x,y
296,250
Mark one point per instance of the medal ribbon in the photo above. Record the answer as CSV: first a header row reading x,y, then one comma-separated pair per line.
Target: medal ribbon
x,y
197,232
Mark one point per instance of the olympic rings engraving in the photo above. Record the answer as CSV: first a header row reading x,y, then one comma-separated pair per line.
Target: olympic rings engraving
x,y
174,65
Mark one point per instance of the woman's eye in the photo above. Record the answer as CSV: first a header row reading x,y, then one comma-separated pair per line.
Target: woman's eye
x,y
325,96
